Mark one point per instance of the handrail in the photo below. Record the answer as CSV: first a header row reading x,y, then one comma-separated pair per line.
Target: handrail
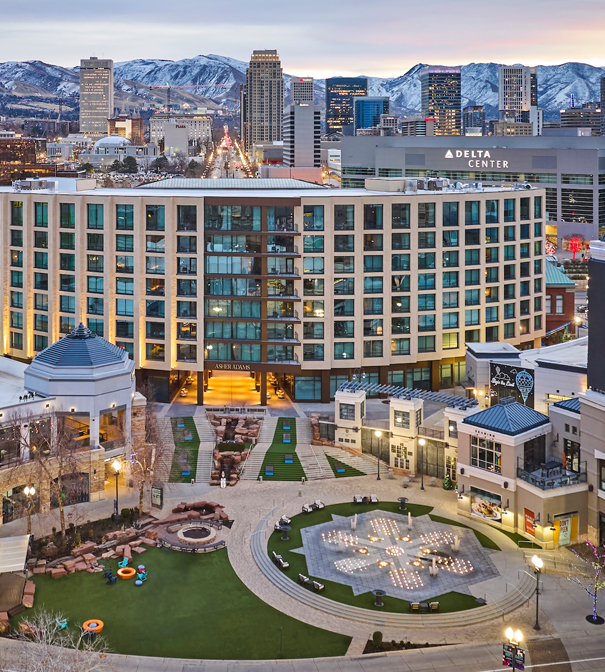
x,y
523,595
486,595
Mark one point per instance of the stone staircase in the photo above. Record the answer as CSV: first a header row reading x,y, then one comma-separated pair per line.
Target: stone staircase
x,y
313,461
510,601
254,462
164,463
267,431
364,463
304,431
204,465
205,429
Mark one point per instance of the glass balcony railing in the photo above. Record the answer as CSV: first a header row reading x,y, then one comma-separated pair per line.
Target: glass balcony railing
x,y
553,474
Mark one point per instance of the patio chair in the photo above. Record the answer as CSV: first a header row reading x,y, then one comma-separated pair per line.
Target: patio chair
x,y
303,579
284,520
306,508
123,563
357,499
318,504
374,499
61,623
415,606
434,606
284,564
276,557
318,586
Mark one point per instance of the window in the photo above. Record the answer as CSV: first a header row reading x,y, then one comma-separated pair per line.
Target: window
x,y
400,262
372,285
509,311
402,419
313,265
509,292
344,217
124,329
154,351
559,304
538,209
400,325
491,334
372,242
449,341
186,287
400,346
16,278
400,304
344,243
471,213
491,255
524,208
156,244
509,234
537,285
185,309
400,216
372,348
472,237
95,215
155,330
344,329
471,317
472,257
17,258
124,243
67,212
426,215
523,251
66,324
524,232
16,213
426,239
426,322
426,344
67,304
17,237
313,330
41,214
372,216
16,299
400,283
124,217
41,260
372,306
187,244
155,309
16,320
125,307
509,271
524,269
524,307
491,212
509,330
548,304
343,307
347,411
509,209
450,214
426,302
471,277
154,217
449,300
313,217
155,265
313,287
96,326
400,241
450,320
537,304
471,297
343,350
67,283
491,314
486,454
41,239
341,286
372,327
67,262
186,331
450,239
95,263
123,285
95,242
125,264
310,309
40,342
491,274
95,305
426,281
472,336
67,241
186,265
313,243
41,301
186,220
426,260
491,235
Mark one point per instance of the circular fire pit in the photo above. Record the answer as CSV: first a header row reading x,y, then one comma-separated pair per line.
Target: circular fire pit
x,y
196,534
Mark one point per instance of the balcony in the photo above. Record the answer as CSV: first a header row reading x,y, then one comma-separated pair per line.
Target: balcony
x,y
550,475
290,315
284,338
282,249
283,270
283,227
431,433
282,293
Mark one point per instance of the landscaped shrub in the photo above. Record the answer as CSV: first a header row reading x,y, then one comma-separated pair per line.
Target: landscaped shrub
x,y
377,638
77,539
447,483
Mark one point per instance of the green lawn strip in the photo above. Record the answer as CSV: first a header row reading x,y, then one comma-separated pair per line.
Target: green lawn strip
x,y
186,609
484,540
517,538
348,470
187,450
338,592
278,450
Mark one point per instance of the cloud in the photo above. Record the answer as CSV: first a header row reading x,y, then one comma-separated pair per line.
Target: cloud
x,y
381,38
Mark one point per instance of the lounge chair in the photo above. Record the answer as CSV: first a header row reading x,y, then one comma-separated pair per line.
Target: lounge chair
x,y
357,499
415,606
318,586
303,579
434,606
307,508
284,520
374,499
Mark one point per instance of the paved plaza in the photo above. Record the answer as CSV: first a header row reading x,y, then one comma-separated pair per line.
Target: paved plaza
x,y
394,553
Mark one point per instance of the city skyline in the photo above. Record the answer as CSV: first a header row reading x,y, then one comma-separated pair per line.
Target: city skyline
x,y
347,45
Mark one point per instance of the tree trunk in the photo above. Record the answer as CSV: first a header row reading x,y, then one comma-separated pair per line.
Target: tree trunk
x,y
61,513
594,605
141,497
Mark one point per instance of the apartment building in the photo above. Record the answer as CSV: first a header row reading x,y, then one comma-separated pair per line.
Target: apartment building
x,y
282,277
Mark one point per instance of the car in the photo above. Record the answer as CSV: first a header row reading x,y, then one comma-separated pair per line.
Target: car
x,y
189,380
582,310
280,394
184,392
268,395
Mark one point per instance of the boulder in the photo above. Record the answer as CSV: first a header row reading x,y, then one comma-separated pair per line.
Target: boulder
x,y
5,627
57,573
128,552
84,548
41,563
80,566
30,589
147,541
152,534
89,558
39,570
107,554
3,616
138,550
193,514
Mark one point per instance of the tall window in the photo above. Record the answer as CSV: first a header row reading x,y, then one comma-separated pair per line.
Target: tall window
x,y
124,217
95,215
486,454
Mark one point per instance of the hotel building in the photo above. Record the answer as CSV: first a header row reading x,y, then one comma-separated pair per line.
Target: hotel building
x,y
260,276
96,95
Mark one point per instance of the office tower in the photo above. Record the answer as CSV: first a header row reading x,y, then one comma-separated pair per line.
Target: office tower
x,y
582,117
517,92
126,126
441,98
473,117
302,135
367,111
340,92
602,105
96,95
263,98
301,89
412,126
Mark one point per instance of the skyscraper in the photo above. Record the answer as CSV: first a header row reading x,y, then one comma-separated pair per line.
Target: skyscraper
x,y
517,92
301,89
96,95
473,117
302,135
263,103
367,111
441,98
340,92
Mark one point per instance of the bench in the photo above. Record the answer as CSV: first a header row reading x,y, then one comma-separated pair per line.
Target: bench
x,y
286,425
268,470
288,458
307,508
287,438
318,505
338,468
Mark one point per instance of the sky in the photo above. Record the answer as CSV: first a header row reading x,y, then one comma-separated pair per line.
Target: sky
x,y
382,38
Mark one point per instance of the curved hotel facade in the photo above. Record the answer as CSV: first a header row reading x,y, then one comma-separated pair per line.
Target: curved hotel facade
x,y
275,276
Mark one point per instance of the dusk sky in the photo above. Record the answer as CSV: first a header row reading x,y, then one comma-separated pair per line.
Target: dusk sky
x,y
379,38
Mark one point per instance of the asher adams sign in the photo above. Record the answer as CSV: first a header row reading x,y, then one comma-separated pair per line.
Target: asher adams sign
x,y
477,158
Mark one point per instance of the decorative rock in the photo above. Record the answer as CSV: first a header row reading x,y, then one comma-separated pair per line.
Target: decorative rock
x,y
39,570
83,548
89,558
139,550
146,541
57,573
107,555
41,563
3,616
30,589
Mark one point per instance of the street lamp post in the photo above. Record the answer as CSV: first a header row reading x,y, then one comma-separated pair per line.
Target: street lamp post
x,y
515,638
29,492
538,563
116,465
378,434
421,443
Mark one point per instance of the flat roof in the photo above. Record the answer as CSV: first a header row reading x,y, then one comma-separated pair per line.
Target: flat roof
x,y
244,183
570,353
11,381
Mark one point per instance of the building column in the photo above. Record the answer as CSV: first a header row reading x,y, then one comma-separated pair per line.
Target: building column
x,y
201,381
24,445
94,431
435,374
263,388
325,387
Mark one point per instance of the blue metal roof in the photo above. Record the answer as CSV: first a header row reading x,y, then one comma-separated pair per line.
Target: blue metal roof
x,y
556,278
569,404
508,417
81,348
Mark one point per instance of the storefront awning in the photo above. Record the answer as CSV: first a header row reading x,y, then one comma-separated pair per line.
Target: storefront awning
x,y
13,553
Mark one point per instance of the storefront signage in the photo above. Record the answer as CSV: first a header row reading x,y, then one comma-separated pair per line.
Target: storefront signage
x,y
486,505
565,531
508,651
477,158
232,367
530,522
511,381
157,496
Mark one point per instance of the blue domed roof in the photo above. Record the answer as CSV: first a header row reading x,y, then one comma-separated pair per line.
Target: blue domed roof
x,y
81,348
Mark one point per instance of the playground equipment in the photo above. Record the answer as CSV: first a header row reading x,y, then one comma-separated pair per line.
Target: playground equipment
x,y
127,572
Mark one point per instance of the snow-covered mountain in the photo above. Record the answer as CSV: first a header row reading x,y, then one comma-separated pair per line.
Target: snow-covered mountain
x,y
221,75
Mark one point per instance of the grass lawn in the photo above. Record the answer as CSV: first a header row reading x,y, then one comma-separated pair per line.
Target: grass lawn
x,y
348,470
278,449
336,591
192,606
185,452
484,540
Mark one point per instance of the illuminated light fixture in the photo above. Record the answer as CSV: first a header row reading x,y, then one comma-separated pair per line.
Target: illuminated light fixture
x,y
383,563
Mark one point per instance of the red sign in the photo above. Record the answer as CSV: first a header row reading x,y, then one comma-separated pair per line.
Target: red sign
x,y
530,523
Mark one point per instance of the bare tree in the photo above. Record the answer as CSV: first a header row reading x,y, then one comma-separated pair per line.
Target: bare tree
x,y
47,646
593,579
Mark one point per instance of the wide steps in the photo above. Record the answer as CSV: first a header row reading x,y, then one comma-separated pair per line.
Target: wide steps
x,y
254,462
267,429
164,463
204,428
204,466
366,465
314,462
477,616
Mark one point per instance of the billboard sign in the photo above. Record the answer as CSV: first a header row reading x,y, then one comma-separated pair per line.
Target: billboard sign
x,y
486,505
511,381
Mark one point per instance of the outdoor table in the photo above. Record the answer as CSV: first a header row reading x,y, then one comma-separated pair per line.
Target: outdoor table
x,y
284,529
379,594
402,502
406,481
